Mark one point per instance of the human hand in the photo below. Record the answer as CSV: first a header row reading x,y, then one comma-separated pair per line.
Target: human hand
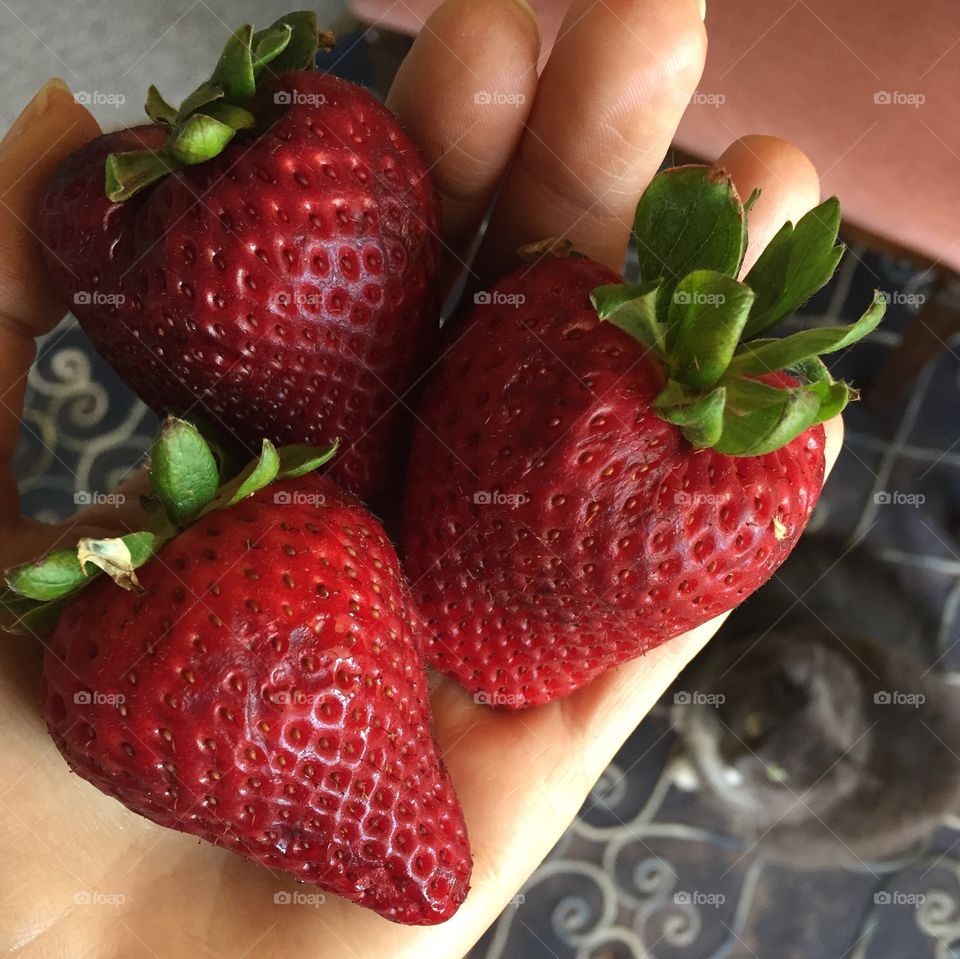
x,y
583,140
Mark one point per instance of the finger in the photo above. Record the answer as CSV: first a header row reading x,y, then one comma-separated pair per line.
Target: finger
x,y
607,107
463,94
51,126
787,180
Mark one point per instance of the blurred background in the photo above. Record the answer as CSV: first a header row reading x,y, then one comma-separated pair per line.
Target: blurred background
x,y
662,862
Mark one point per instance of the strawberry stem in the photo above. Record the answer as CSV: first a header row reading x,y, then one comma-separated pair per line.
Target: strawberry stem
x,y
187,482
210,116
701,323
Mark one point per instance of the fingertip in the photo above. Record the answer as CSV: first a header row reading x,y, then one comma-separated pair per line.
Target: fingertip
x,y
788,182
463,94
596,137
833,435
53,104
50,127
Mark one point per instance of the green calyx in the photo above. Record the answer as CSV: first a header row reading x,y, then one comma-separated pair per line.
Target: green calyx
x,y
705,325
189,478
210,116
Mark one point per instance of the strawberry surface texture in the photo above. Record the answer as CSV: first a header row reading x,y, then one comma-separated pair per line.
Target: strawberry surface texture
x,y
264,690
284,287
555,525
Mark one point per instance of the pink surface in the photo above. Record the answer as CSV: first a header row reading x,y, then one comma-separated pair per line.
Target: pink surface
x,y
811,71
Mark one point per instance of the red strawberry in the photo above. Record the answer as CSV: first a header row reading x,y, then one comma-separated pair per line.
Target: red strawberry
x,y
281,281
602,466
262,688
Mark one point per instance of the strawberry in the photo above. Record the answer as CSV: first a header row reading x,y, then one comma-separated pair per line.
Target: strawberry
x,y
265,256
259,683
602,466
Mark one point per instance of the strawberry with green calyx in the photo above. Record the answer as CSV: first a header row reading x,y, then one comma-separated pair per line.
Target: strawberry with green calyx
x,y
249,671
265,255
602,466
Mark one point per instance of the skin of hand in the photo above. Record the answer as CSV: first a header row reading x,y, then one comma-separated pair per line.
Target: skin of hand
x,y
85,877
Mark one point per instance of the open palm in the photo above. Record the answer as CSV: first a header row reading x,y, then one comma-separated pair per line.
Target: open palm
x,y
573,149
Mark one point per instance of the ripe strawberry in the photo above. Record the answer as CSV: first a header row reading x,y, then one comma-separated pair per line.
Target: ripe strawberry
x,y
261,686
265,257
602,466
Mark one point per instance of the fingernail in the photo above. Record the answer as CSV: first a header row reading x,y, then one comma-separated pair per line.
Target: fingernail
x,y
529,11
48,94
703,9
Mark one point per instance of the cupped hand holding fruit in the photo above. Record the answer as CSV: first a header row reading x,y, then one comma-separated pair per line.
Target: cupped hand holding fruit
x,y
584,140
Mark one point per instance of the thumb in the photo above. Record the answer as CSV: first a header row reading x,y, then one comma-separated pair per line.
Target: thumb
x,y
50,127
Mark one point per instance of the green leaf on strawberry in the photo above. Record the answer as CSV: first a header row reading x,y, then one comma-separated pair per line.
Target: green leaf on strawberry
x,y
210,116
704,324
183,470
796,263
186,483
725,388
689,218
